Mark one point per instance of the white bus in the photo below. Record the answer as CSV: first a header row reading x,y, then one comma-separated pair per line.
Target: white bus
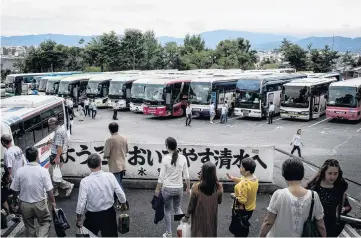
x,y
305,99
98,89
120,89
74,86
138,92
52,85
284,70
255,92
26,119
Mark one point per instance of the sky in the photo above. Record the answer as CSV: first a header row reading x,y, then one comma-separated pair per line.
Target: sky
x,y
299,18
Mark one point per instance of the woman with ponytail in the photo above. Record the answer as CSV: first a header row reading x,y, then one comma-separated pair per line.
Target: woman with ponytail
x,y
173,169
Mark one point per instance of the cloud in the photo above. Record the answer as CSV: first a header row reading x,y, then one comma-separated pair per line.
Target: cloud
x,y
176,18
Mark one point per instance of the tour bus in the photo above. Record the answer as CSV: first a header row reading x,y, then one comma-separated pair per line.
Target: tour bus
x,y
120,89
98,89
203,90
137,93
25,118
167,96
74,86
255,92
15,83
344,100
52,85
305,99
42,80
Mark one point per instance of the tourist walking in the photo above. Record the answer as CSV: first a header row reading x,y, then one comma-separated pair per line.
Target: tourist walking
x,y
212,112
331,187
203,203
271,111
188,114
297,142
115,109
96,196
59,148
224,113
14,157
245,194
290,207
94,109
86,107
115,151
173,169
32,181
90,112
81,113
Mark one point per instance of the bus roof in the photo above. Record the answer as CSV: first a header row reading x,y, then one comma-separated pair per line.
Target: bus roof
x,y
310,81
129,77
213,79
355,82
101,77
56,78
171,79
77,77
16,108
147,78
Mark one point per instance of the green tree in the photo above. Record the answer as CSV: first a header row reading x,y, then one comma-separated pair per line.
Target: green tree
x,y
193,43
132,48
152,52
4,73
294,55
347,59
171,57
322,61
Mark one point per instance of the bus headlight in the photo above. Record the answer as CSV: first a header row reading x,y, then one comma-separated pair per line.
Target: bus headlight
x,y
283,111
304,113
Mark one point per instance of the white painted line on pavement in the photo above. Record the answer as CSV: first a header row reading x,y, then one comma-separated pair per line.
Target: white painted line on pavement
x,y
358,130
319,122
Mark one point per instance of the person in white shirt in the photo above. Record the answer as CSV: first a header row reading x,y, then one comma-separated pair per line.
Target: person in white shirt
x,y
86,107
173,169
290,207
212,112
94,109
297,142
33,182
188,114
116,108
224,112
271,110
13,157
96,196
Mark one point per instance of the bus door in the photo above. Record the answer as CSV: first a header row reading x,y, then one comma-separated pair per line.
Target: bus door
x,y
316,103
177,92
168,98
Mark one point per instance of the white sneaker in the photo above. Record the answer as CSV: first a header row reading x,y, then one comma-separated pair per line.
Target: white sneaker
x,y
56,193
167,234
68,192
211,122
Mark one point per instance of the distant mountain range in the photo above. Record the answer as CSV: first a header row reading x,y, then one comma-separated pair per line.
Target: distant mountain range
x,y
259,41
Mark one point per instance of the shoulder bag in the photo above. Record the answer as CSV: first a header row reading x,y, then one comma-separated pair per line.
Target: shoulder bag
x,y
309,227
239,219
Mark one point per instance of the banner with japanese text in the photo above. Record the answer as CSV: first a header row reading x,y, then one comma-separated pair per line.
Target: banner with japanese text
x,y
143,160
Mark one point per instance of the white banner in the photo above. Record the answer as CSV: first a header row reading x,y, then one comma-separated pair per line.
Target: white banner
x,y
143,160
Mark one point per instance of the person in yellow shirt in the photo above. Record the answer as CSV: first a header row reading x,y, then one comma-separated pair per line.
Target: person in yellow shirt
x,y
245,194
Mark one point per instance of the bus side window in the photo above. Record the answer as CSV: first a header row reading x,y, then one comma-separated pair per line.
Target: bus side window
x,y
176,90
29,127
18,135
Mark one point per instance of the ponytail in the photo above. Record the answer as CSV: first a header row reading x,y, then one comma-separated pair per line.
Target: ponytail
x,y
174,158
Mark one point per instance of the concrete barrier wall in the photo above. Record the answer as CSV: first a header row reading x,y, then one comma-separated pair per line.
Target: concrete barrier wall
x,y
143,160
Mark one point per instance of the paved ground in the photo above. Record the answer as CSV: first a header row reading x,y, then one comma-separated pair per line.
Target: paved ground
x,y
322,138
142,215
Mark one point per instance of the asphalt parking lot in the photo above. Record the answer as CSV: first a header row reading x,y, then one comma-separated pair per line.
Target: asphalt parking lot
x,y
322,138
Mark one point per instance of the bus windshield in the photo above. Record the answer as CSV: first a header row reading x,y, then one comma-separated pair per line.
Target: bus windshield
x,y
138,91
42,84
296,96
342,97
199,92
52,86
64,88
93,88
115,88
249,85
154,92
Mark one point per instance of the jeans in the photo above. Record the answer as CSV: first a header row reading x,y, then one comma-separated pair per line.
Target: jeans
x,y
94,113
295,147
86,110
171,196
270,117
189,120
119,178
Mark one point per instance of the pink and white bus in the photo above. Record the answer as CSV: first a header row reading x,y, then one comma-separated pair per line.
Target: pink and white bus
x,y
166,96
344,100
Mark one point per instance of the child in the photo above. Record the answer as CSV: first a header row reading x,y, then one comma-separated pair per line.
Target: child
x,y
297,142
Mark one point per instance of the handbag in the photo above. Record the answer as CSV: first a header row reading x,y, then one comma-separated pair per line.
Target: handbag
x,y
184,229
309,227
82,233
60,222
239,219
57,177
123,223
